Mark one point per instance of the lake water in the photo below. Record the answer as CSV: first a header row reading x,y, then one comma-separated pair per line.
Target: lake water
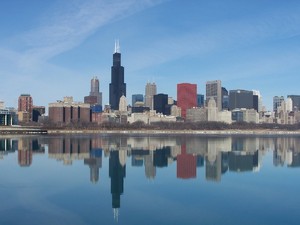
x,y
113,179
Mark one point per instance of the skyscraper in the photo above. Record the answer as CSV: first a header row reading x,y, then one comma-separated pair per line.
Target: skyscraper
x,y
242,99
214,90
95,97
123,104
160,102
150,91
117,87
186,97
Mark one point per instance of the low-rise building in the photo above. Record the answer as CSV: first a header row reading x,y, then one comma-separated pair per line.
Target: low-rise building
x,y
68,111
6,117
150,117
245,115
196,115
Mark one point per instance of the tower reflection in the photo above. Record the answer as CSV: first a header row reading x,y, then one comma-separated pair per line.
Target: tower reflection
x,y
117,173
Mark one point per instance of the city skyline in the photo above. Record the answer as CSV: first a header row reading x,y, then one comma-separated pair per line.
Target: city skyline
x,y
62,45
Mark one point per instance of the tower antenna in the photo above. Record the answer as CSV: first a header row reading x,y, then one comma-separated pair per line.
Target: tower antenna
x,y
117,46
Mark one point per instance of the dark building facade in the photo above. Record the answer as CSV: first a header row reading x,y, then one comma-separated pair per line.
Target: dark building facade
x,y
242,99
117,87
200,100
37,111
160,103
225,99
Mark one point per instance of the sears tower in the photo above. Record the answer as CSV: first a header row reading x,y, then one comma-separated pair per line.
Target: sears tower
x,y
117,87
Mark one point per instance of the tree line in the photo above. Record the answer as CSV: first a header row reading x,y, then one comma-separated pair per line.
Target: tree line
x,y
170,126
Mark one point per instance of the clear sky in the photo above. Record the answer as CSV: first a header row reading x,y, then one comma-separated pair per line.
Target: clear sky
x,y
52,49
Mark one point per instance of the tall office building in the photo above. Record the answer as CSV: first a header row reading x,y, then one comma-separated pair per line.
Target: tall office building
x,y
289,104
296,102
214,90
161,103
242,99
277,100
186,97
123,104
95,97
117,87
150,91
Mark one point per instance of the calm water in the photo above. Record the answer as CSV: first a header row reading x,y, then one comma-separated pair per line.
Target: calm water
x,y
149,180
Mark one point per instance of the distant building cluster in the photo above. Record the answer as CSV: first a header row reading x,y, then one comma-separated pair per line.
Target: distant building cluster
x,y
217,104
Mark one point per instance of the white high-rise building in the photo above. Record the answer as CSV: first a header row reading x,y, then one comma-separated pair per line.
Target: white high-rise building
x,y
212,110
289,104
214,90
150,91
123,104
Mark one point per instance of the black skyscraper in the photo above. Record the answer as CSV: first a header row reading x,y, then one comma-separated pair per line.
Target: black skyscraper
x,y
160,102
117,87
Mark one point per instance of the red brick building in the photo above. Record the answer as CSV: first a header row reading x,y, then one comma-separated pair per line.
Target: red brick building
x,y
25,104
186,97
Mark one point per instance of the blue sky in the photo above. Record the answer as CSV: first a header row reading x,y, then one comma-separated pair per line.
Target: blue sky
x,y
52,49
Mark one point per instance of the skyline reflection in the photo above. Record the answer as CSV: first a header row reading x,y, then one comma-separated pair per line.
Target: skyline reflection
x,y
217,155
188,155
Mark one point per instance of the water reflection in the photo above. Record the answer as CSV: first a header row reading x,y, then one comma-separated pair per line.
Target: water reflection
x,y
216,155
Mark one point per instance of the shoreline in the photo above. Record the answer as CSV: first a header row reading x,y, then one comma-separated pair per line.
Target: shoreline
x,y
43,131
180,132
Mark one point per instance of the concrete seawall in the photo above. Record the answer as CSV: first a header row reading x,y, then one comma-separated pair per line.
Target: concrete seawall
x,y
175,132
21,130
37,130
